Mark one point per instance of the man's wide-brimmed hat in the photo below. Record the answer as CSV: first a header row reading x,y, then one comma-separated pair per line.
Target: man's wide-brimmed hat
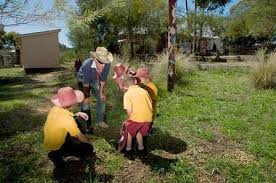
x,y
142,72
119,70
66,97
103,55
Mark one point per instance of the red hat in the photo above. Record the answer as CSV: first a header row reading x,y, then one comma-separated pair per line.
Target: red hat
x,y
142,72
66,97
119,70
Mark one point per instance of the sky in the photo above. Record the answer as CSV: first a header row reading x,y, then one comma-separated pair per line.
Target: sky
x,y
37,27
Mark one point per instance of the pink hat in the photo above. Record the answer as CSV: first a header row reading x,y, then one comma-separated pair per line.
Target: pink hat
x,y
66,97
142,72
119,70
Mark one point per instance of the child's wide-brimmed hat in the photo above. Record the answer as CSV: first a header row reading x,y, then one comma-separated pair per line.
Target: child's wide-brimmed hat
x,y
66,97
142,72
119,70
103,55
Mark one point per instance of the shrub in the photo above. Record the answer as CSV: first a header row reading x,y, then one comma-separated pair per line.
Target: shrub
x,y
263,73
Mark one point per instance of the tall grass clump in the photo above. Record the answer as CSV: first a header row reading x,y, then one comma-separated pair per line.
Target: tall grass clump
x,y
263,73
183,68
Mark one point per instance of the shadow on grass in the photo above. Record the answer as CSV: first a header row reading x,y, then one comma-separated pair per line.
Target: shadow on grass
x,y
75,171
159,140
19,160
158,163
19,119
43,70
19,88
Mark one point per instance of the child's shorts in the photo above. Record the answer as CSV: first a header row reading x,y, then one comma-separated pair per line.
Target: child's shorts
x,y
134,127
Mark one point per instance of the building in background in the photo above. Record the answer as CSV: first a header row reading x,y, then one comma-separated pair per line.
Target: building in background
x,y
39,50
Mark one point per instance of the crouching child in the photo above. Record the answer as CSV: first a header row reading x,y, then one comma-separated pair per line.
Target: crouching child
x,y
62,136
138,106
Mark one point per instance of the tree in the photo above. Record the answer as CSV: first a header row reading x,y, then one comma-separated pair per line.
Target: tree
x,y
257,16
138,23
203,16
15,12
9,40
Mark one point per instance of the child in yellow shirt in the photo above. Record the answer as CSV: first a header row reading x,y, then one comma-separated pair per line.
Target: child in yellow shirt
x,y
138,106
62,136
146,83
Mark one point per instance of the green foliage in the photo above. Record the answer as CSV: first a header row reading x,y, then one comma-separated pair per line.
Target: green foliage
x,y
237,27
184,172
67,56
211,4
236,172
215,112
202,23
140,23
263,74
250,15
7,39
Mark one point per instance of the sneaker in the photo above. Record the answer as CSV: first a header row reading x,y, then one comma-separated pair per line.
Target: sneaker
x,y
129,154
142,152
103,125
71,158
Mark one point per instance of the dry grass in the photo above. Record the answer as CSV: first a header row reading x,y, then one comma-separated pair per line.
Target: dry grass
x,y
183,68
263,73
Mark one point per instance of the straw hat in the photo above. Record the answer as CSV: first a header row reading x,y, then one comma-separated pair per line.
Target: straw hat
x,y
66,97
103,55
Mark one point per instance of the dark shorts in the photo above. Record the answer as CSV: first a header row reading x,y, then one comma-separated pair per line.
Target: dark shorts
x,y
134,127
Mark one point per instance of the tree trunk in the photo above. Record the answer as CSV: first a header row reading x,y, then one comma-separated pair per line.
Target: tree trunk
x,y
194,39
171,44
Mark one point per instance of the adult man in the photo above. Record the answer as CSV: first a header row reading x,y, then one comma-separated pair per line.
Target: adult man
x,y
93,75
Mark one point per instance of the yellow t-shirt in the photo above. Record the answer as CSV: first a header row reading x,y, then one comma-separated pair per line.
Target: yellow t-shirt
x,y
59,122
152,90
138,101
152,86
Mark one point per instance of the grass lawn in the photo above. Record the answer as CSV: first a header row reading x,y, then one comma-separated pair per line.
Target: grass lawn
x,y
212,128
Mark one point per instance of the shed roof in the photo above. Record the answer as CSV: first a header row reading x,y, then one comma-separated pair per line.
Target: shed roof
x,y
38,33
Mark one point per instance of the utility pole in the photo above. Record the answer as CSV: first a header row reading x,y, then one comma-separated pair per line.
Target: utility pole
x,y
171,44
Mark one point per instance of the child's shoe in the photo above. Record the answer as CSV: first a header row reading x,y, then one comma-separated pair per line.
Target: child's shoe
x,y
129,154
142,152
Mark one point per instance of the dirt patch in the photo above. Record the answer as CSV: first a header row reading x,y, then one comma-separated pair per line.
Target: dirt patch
x,y
240,157
136,172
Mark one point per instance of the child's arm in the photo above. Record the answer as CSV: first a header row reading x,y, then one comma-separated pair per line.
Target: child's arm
x,y
129,111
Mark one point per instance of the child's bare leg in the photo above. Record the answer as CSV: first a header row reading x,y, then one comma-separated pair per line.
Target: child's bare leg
x,y
129,142
139,138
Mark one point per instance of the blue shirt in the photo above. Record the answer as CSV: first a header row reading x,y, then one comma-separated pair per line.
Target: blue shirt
x,y
87,74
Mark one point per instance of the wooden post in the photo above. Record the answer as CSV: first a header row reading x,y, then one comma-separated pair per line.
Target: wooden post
x,y
171,44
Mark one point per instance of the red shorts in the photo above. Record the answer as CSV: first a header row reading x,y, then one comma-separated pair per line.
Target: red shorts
x,y
133,128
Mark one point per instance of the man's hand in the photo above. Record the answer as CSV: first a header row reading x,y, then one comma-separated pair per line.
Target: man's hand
x,y
102,93
83,115
86,100
103,97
